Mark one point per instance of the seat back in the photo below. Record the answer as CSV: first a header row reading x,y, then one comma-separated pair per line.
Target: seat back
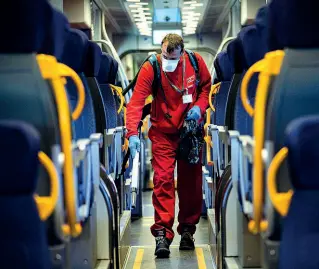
x,y
294,91
24,94
23,241
104,79
301,223
224,73
237,60
75,50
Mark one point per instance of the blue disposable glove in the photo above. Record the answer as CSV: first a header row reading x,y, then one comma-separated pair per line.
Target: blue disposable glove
x,y
134,144
193,114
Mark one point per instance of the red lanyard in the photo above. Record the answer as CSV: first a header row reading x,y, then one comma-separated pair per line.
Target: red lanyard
x,y
183,81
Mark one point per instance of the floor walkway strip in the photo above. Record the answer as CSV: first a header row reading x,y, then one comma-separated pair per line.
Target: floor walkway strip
x,y
138,259
200,258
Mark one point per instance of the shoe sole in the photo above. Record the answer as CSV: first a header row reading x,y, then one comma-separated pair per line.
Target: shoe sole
x,y
186,247
162,253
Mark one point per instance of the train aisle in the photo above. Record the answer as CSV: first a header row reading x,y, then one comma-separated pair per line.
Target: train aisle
x,y
143,244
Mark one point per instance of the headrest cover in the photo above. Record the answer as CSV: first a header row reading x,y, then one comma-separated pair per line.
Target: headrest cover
x,y
75,50
57,28
19,144
225,70
261,20
236,55
114,69
293,24
93,60
23,25
302,141
105,67
253,47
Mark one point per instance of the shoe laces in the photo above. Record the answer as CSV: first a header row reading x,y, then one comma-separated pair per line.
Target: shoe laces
x,y
160,239
188,235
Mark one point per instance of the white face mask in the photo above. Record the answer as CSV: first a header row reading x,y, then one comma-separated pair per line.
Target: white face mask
x,y
169,65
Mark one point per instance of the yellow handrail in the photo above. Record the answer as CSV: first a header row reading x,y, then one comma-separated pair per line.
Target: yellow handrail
x,y
118,91
50,70
66,71
208,138
47,204
271,67
280,201
213,91
257,67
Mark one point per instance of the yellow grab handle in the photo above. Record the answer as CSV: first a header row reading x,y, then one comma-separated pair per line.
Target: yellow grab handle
x,y
213,91
49,68
66,71
118,91
280,201
208,139
46,205
257,67
272,61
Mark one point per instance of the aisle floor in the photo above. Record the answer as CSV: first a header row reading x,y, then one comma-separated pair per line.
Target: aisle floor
x,y
143,244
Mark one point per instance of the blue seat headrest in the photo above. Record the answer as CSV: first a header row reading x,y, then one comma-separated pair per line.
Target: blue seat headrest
x,y
19,144
302,140
225,69
23,25
236,55
114,69
106,62
293,24
75,50
252,44
261,20
93,60
57,28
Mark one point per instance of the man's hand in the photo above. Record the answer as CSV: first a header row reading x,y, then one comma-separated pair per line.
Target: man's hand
x,y
193,114
134,144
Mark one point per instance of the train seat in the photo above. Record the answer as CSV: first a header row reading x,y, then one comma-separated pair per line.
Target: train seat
x,y
104,79
293,89
23,235
301,222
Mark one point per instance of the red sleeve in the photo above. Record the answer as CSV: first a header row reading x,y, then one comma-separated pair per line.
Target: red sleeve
x,y
142,90
205,84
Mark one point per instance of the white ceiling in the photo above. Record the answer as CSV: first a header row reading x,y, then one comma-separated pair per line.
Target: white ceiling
x,y
120,20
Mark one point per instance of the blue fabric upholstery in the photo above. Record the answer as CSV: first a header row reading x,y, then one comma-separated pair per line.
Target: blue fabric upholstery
x,y
75,50
76,44
224,71
225,68
114,69
301,224
109,99
262,24
56,29
93,60
293,24
23,28
23,241
236,56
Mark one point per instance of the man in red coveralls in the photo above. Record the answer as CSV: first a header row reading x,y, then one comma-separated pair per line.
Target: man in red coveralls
x,y
178,100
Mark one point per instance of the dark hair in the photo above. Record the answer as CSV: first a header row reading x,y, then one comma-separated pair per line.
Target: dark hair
x,y
174,42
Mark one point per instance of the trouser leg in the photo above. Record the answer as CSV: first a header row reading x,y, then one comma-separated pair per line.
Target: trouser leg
x,y
163,162
190,195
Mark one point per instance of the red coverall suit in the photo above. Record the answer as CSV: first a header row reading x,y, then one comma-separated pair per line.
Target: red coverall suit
x,y
164,134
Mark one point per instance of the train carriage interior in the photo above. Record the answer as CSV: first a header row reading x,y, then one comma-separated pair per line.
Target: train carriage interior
x,y
72,196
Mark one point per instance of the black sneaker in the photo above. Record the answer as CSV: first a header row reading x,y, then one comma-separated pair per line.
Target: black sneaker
x,y
162,245
187,241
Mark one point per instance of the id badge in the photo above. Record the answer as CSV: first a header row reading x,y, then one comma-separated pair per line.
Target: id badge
x,y
187,98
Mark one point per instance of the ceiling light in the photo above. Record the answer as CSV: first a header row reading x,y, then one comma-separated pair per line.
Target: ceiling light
x,y
197,5
190,2
189,7
142,4
135,1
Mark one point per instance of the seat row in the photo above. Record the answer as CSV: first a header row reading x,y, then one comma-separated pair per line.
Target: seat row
x,y
58,106
262,126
